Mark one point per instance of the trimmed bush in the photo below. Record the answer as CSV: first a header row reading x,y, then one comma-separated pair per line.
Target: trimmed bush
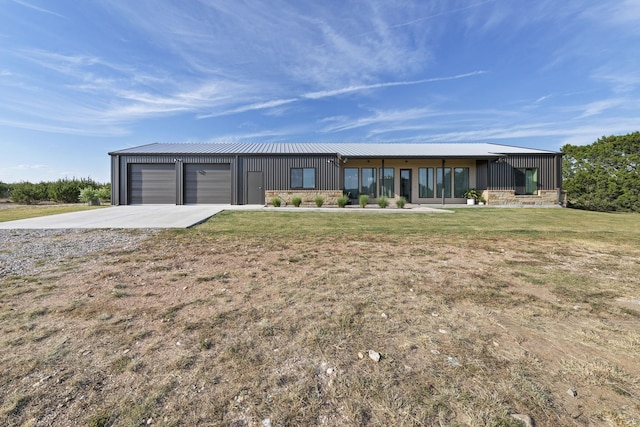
x,y
401,202
296,201
342,201
363,200
383,202
319,201
276,202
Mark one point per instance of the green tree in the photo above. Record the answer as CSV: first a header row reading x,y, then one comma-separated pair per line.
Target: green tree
x,y
28,193
5,190
68,190
603,176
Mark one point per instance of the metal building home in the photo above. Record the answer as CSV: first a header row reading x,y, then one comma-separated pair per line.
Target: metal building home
x,y
254,173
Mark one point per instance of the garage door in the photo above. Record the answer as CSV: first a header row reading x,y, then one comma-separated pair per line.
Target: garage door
x,y
152,184
207,184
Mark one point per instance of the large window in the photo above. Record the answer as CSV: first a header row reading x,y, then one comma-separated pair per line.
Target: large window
x,y
386,182
369,183
303,178
460,181
443,182
351,184
526,181
425,182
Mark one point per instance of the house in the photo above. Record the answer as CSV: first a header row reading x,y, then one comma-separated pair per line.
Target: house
x,y
241,173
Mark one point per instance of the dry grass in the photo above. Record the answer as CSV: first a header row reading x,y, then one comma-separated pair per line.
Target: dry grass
x,y
255,316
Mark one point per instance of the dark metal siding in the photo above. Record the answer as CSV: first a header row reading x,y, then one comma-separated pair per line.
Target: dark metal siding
x,y
277,169
207,183
501,173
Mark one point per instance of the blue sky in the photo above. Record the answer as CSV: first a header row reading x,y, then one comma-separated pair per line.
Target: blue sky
x,y
81,78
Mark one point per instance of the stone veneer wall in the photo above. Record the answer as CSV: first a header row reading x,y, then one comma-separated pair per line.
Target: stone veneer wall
x,y
308,196
509,198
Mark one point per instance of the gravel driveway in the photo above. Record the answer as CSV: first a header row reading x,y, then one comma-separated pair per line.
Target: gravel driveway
x,y
31,251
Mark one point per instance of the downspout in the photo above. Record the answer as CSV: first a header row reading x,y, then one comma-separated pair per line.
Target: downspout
x,y
443,175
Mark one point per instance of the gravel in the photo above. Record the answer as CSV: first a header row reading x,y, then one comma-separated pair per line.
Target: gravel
x,y
27,252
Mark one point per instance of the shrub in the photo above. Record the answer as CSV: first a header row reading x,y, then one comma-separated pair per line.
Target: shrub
x,y
401,202
319,201
472,193
104,193
383,202
342,201
363,200
276,202
296,201
28,193
89,195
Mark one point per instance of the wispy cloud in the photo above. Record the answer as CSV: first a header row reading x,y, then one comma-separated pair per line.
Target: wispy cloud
x,y
39,9
342,91
598,107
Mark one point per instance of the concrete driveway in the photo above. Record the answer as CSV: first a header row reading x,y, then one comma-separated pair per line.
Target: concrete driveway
x,y
147,216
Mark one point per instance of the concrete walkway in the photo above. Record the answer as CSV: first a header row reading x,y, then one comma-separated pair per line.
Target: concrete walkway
x,y
171,216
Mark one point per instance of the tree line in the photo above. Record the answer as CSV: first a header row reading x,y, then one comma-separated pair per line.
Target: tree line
x,y
61,191
603,176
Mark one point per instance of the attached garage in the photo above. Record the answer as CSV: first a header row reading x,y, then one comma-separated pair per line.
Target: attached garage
x,y
152,184
207,183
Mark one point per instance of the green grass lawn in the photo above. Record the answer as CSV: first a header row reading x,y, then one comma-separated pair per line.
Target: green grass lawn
x,y
564,224
15,212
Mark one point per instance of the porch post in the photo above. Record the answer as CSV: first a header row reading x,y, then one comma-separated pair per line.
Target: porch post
x,y
443,175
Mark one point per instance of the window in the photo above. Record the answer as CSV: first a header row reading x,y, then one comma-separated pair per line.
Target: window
x,y
304,178
386,182
526,181
369,183
443,182
351,184
460,181
425,182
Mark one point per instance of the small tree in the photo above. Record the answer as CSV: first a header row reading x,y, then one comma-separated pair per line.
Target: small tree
x,y
89,195
104,193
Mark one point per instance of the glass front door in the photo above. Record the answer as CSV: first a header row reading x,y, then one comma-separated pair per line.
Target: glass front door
x,y
405,184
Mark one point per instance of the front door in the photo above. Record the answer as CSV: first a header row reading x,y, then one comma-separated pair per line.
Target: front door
x,y
405,184
255,188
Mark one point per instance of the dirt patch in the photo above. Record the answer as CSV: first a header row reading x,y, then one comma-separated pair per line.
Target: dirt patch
x,y
196,328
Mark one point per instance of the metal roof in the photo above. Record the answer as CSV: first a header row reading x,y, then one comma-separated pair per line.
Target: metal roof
x,y
341,149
